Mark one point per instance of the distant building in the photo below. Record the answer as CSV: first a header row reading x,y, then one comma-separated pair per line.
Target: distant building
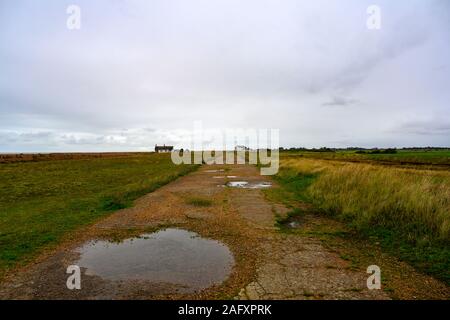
x,y
164,148
241,148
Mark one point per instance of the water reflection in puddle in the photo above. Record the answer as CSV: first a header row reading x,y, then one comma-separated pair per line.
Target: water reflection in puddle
x,y
237,184
218,170
247,185
223,177
293,224
173,256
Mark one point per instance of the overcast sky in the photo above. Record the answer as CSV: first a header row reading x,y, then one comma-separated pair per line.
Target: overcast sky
x,y
141,72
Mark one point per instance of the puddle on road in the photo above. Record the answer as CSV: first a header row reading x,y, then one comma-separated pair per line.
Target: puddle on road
x,y
223,177
247,185
172,256
218,170
237,184
293,224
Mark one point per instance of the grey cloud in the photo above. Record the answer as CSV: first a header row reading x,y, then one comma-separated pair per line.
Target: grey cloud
x,y
339,101
12,137
437,127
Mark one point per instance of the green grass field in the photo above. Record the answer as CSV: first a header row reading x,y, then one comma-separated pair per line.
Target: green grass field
x,y
432,157
42,201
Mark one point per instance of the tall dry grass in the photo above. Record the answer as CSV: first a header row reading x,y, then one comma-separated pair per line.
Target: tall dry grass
x,y
414,203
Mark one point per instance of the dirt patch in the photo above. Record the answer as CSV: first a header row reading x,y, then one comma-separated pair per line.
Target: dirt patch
x,y
27,157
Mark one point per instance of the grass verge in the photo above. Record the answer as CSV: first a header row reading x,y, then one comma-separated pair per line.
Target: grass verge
x,y
43,201
199,202
407,210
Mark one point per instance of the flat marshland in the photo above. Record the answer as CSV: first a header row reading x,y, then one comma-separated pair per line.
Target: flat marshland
x,y
439,158
404,210
42,201
407,210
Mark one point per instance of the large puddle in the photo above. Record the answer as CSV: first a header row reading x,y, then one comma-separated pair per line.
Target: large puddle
x,y
172,256
247,185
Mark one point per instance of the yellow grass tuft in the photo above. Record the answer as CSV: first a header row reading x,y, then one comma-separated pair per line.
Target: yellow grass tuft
x,y
412,201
